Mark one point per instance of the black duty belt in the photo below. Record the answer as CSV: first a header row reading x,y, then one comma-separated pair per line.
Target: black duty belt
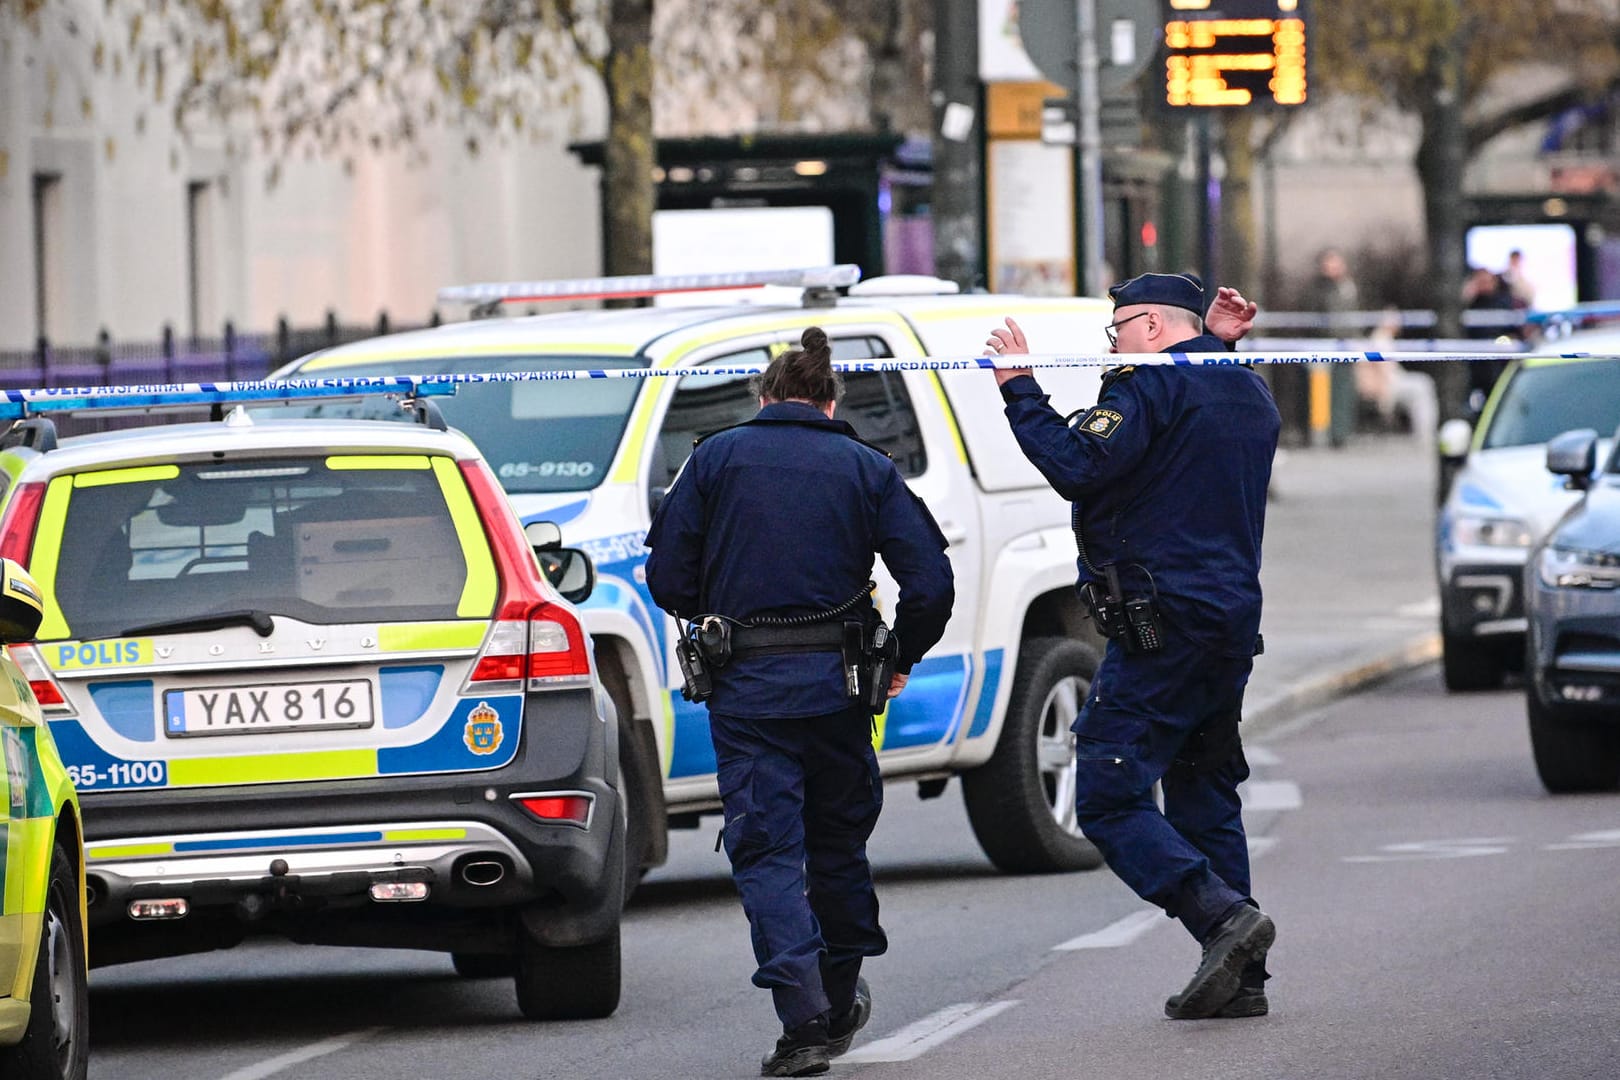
x,y
768,640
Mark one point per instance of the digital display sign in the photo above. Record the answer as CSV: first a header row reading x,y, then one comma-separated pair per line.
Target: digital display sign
x,y
1234,53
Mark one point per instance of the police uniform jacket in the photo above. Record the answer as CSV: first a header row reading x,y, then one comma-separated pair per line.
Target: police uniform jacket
x,y
782,516
1168,474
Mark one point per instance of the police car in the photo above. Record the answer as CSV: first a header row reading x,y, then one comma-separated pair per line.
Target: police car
x,y
991,704
1502,500
44,1002
310,680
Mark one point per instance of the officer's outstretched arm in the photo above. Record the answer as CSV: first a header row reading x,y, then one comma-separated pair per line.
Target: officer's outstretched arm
x,y
1230,316
914,550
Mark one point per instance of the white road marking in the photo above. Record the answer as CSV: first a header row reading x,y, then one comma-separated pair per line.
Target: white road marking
x,y
297,1057
927,1033
1436,849
1270,795
1420,608
1259,845
1583,841
1115,934
1261,755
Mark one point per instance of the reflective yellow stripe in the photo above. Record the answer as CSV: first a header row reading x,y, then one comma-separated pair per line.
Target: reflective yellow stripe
x,y
42,564
950,417
377,461
28,860
478,594
1045,306
409,835
137,475
126,851
411,637
457,352
263,768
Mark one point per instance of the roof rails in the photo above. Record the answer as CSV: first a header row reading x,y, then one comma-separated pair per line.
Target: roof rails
x,y
30,411
818,282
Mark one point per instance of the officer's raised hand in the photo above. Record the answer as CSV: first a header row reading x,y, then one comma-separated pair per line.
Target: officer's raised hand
x,y
1008,341
1230,316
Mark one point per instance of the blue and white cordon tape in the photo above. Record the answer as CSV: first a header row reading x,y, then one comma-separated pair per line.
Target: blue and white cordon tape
x,y
17,404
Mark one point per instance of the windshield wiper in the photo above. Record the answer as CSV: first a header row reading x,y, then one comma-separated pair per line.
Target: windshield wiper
x,y
259,620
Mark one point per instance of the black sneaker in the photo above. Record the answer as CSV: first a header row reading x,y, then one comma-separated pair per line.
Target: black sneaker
x,y
841,1029
800,1052
1242,939
1250,1001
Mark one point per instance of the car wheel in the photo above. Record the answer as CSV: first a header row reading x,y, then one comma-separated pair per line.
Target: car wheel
x,y
1021,802
641,786
1469,665
56,1045
579,982
483,965
1571,756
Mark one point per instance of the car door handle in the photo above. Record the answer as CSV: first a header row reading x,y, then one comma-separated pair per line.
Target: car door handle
x,y
954,533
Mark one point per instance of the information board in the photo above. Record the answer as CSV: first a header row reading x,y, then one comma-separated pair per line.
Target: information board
x,y
1234,53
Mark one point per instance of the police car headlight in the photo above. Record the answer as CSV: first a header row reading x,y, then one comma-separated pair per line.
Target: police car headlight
x,y
1501,532
1578,568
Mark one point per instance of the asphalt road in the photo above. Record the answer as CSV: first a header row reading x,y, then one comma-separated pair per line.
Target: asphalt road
x,y
1439,916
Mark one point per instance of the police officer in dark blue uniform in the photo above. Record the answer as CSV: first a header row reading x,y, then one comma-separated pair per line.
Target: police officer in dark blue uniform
x,y
767,539
1168,475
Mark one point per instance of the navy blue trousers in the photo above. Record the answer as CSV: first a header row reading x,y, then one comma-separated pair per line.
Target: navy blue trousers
x,y
801,797
1171,717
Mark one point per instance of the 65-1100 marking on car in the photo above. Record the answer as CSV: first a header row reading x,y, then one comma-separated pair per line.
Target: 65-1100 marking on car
x,y
120,773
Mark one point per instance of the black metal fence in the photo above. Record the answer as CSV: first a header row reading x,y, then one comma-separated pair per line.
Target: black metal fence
x,y
231,356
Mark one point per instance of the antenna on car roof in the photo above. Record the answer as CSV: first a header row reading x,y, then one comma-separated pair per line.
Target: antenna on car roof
x,y
820,285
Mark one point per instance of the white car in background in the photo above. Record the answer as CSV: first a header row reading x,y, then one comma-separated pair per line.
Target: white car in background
x,y
1502,500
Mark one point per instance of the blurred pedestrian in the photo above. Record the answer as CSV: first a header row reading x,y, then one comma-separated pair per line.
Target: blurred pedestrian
x,y
1168,475
1518,282
1333,294
1392,387
798,780
1486,292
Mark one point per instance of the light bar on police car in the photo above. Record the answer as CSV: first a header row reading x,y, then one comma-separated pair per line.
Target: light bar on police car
x,y
624,287
16,404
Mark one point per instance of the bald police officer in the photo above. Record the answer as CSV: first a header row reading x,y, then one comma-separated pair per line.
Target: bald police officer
x,y
780,519
1168,475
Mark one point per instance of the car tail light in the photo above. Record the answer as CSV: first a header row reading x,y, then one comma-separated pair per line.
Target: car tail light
x,y
567,807
535,636
20,520
47,691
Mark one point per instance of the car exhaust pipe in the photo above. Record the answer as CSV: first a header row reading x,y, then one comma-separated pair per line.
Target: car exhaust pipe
x,y
483,872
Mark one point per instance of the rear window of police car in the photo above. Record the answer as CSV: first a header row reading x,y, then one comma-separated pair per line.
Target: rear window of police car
x,y
321,540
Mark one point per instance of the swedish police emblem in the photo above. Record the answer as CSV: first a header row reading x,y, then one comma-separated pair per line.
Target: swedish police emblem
x,y
483,734
1101,422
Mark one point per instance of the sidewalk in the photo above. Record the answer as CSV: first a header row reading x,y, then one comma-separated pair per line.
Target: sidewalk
x,y
1348,573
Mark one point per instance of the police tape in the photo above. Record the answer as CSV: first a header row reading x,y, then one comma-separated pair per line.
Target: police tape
x,y
20,403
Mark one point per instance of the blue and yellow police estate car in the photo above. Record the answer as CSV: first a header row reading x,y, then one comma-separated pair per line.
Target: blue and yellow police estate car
x,y
44,1005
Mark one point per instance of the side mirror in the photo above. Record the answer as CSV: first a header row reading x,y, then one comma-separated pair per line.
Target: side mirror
x,y
1453,438
543,534
1573,454
22,607
569,570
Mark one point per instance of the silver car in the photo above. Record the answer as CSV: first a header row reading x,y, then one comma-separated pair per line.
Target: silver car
x,y
1572,600
1502,501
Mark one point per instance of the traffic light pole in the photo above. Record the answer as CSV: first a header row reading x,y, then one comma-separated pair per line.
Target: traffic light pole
x,y
1088,155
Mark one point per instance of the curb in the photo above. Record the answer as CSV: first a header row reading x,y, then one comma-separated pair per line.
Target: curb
x,y
1313,693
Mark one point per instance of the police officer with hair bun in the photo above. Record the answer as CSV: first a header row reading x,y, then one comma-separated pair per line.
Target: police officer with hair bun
x,y
1168,475
763,550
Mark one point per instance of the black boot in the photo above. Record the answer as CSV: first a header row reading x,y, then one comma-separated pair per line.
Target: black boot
x,y
1241,940
800,1052
841,1029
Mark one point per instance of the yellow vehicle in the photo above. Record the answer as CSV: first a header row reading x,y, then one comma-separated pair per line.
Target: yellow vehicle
x,y
44,980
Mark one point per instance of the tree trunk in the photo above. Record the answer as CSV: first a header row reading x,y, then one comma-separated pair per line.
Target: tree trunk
x,y
1442,155
629,195
1237,207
